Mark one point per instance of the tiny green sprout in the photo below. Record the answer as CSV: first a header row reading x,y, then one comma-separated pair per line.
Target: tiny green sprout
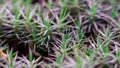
x,y
79,62
78,24
106,48
93,9
17,14
34,32
64,43
63,13
80,33
30,56
99,42
59,60
46,23
118,53
27,2
10,59
27,12
114,12
75,2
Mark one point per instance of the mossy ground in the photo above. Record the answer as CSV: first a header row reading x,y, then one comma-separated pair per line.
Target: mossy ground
x,y
60,33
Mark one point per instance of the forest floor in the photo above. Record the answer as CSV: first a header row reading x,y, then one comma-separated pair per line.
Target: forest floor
x,y
59,33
